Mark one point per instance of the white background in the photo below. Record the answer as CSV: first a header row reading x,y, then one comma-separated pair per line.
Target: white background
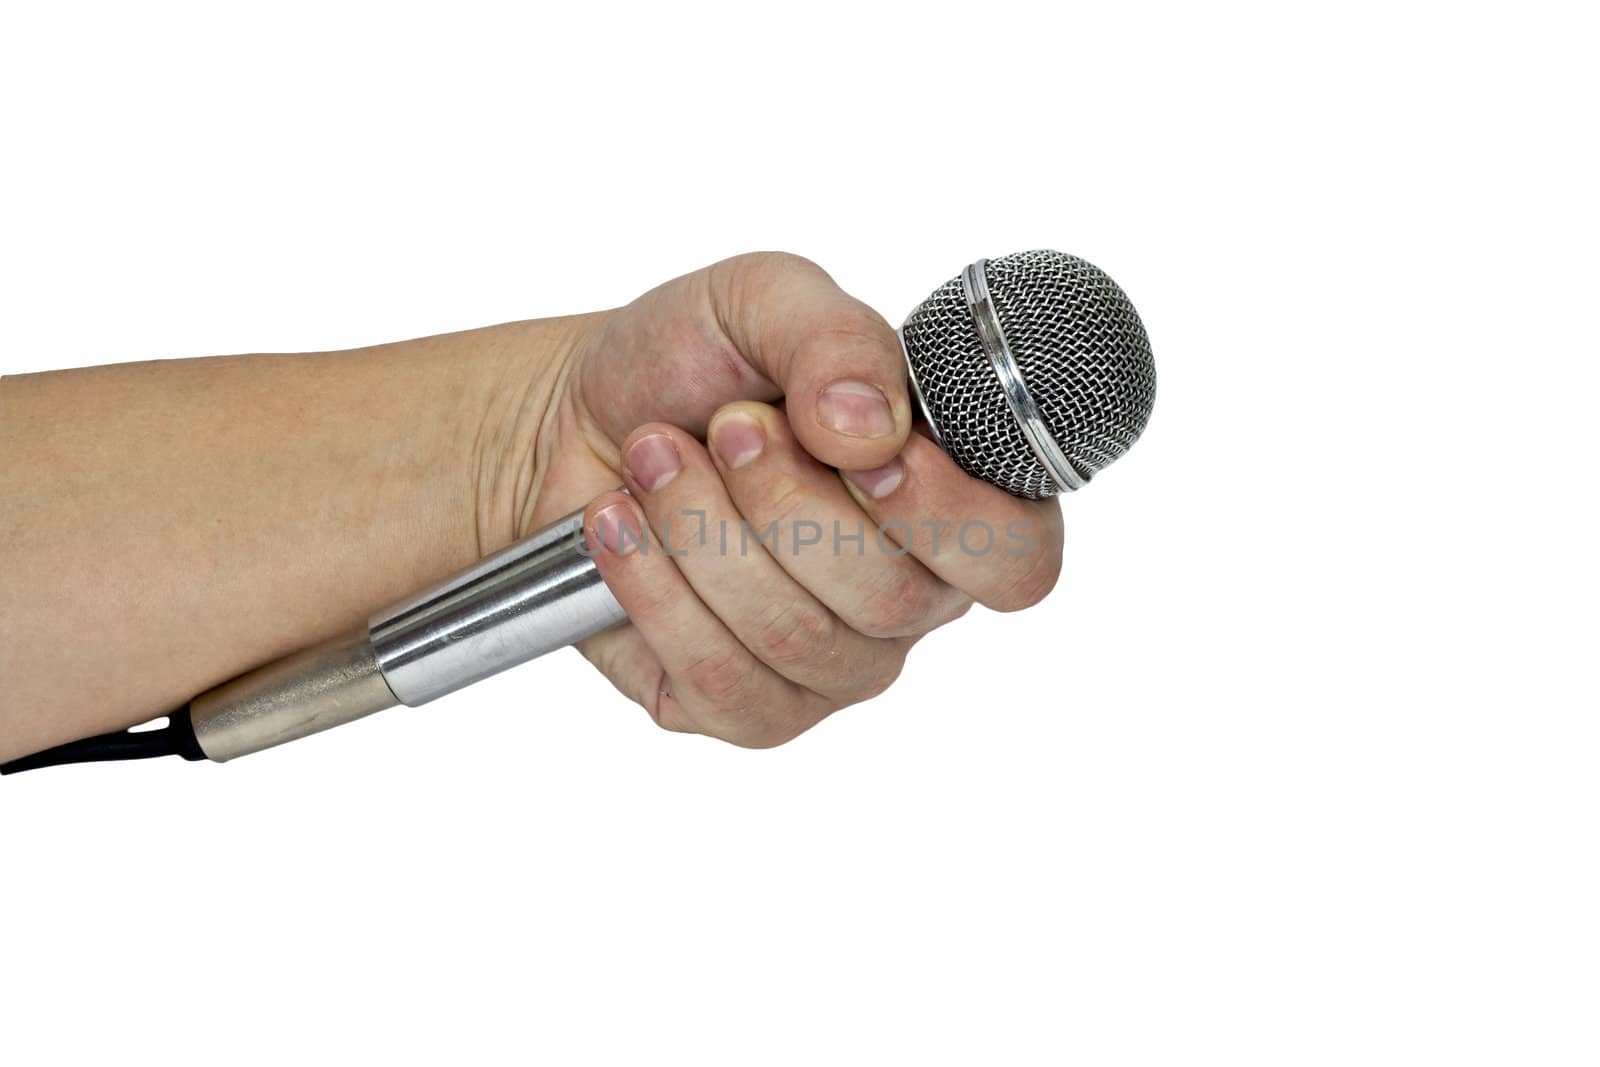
x,y
1297,766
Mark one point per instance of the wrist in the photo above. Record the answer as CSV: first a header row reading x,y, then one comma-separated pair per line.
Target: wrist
x,y
517,428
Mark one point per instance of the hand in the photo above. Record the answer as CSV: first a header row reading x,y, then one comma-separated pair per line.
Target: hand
x,y
789,381
197,478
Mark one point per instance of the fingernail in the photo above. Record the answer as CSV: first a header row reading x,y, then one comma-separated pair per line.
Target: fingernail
x,y
856,409
652,462
880,481
617,530
737,440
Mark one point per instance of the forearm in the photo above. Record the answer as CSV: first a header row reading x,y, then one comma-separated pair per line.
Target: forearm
x,y
167,525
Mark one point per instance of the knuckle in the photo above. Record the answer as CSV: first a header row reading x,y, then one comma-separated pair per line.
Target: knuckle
x,y
748,717
654,599
793,633
631,579
895,606
785,502
851,333
778,264
749,277
725,681
854,324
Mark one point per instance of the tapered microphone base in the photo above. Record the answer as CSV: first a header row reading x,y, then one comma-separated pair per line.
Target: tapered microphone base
x,y
315,689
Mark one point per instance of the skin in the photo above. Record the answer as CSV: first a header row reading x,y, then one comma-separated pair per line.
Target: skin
x,y
167,525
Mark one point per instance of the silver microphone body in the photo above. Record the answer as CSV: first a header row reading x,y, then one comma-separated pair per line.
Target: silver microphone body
x,y
1033,372
538,595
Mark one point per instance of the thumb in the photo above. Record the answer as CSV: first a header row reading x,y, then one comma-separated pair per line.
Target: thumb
x,y
755,327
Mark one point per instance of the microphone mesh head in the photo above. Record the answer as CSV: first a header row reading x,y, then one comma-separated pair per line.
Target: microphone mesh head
x,y
1082,353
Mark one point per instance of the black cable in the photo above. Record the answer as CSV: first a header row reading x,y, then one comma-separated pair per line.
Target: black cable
x,y
174,739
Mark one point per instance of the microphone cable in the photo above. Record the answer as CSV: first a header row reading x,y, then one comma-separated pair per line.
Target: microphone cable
x,y
174,739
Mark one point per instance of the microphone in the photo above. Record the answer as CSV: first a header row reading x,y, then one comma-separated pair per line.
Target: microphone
x,y
1032,371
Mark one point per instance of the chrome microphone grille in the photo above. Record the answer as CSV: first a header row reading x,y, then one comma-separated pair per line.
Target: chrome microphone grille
x,y
1069,351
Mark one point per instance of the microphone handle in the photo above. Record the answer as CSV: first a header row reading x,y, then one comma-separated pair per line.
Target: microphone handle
x,y
535,596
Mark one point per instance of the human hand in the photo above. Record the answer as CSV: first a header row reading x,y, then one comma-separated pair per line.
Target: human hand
x,y
421,456
729,401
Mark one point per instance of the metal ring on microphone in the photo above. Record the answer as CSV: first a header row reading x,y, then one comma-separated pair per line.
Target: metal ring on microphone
x,y
917,396
975,287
